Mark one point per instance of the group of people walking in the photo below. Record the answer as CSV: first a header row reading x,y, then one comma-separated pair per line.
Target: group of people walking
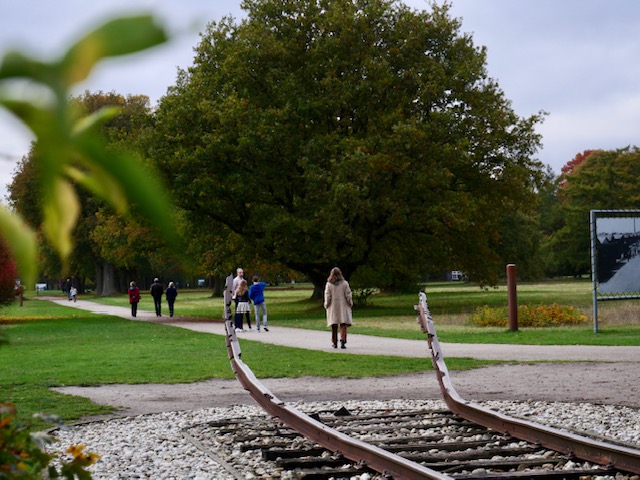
x,y
338,303
243,296
156,291
70,289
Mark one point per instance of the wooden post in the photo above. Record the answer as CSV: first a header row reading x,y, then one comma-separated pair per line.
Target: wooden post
x,y
512,297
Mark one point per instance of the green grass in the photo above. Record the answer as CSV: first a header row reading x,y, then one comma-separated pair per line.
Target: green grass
x,y
32,308
96,350
53,345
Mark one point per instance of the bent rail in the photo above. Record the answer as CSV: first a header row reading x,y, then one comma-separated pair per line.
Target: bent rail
x,y
355,450
331,439
623,458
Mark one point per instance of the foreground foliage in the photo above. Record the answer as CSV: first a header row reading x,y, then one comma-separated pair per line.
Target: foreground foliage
x,y
8,276
70,152
22,452
69,149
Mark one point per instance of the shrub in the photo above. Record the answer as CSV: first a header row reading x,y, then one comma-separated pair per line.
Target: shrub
x,y
362,296
529,316
22,453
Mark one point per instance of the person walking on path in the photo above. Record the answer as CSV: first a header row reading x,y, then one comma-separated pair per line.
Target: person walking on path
x,y
73,293
338,303
256,294
243,306
134,298
156,292
67,288
171,295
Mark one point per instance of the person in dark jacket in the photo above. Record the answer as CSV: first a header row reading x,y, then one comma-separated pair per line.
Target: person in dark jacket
x,y
243,306
134,298
156,292
67,288
171,295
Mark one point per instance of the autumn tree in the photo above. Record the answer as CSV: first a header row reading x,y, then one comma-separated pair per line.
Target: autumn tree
x,y
603,180
575,162
356,133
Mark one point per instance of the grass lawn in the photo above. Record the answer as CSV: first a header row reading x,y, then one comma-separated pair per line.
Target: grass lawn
x,y
47,350
51,345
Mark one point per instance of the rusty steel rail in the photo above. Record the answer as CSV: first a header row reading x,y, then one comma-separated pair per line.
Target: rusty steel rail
x,y
355,450
574,446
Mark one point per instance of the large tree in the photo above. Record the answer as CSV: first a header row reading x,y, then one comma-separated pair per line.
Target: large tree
x,y
357,133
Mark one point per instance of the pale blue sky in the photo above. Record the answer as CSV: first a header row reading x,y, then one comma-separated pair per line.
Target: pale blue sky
x,y
576,59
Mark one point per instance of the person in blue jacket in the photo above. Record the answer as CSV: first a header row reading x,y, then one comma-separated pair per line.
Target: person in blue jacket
x,y
256,294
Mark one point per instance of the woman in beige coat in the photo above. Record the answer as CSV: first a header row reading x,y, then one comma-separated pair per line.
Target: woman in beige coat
x,y
338,304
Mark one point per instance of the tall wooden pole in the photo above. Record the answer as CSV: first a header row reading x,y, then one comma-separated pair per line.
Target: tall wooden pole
x,y
512,297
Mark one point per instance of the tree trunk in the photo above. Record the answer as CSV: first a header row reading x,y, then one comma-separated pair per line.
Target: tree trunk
x,y
98,279
107,280
318,281
218,285
318,291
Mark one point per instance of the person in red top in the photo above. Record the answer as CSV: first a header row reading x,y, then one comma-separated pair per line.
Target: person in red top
x,y
134,298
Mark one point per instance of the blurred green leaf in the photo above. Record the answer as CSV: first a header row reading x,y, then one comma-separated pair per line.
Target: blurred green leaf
x,y
17,65
120,36
140,185
102,185
26,111
94,120
61,210
69,147
22,243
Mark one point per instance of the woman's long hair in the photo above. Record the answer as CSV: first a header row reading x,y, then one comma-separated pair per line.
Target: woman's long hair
x,y
335,276
242,288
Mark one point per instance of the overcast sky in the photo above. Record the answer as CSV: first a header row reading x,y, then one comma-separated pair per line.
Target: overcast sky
x,y
575,59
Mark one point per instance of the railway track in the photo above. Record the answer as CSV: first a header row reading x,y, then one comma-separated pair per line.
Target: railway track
x,y
466,441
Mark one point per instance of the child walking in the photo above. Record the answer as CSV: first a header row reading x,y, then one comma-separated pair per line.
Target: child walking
x,y
243,306
256,294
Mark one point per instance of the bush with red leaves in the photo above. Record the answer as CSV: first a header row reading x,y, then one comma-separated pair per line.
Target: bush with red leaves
x,y
8,275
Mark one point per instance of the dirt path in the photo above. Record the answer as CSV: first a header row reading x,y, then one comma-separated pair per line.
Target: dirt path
x,y
602,383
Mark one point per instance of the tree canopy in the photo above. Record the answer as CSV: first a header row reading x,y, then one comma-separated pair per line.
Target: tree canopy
x,y
354,133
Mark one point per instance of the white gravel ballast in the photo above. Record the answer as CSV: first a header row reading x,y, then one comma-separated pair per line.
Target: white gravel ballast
x,y
157,445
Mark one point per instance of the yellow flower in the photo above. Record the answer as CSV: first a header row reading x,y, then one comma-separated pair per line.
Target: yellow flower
x,y
76,450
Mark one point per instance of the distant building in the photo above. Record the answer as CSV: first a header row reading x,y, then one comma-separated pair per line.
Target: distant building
x,y
455,276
